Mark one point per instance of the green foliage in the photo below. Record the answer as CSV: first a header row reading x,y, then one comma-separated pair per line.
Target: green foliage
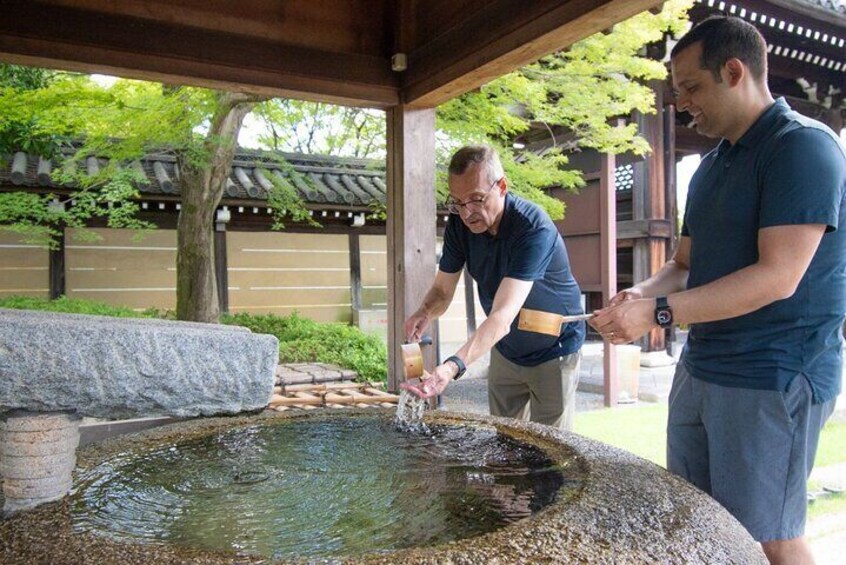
x,y
284,200
24,78
21,132
117,124
32,216
301,340
585,89
73,306
314,127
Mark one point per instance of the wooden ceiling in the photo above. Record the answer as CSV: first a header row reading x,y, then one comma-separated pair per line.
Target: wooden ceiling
x,y
330,50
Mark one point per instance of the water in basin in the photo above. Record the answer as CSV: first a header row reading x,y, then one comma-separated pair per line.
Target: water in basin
x,y
318,488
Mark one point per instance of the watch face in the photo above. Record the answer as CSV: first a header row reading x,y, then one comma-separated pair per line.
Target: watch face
x,y
664,317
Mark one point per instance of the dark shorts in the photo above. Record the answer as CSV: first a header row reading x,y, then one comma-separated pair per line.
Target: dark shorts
x,y
751,450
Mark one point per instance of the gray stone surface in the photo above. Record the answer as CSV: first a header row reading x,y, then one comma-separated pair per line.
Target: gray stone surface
x,y
623,510
122,367
32,476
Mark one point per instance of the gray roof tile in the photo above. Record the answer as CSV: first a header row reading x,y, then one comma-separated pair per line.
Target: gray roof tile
x,y
320,180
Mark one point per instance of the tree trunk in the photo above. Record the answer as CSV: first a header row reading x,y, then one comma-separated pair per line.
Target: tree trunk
x,y
203,182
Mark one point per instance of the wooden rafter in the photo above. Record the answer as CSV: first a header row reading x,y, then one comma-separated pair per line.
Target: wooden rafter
x,y
503,36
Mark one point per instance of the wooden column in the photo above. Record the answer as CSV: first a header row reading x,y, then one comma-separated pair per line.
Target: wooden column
x,y
355,271
649,203
57,266
411,225
670,194
608,259
221,262
469,303
670,176
833,117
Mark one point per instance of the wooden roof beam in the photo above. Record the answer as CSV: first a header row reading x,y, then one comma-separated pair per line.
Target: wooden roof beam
x,y
501,37
49,35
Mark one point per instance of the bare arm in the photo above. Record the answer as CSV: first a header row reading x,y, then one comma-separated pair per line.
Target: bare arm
x,y
510,297
784,253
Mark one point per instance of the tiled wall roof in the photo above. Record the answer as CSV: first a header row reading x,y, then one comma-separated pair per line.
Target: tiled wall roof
x,y
834,5
330,180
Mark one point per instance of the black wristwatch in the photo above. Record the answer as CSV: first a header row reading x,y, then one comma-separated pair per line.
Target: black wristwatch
x,y
462,368
663,312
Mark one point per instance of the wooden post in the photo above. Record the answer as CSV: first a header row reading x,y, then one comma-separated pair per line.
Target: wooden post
x,y
608,259
469,303
355,271
221,263
411,225
670,192
650,204
670,175
57,266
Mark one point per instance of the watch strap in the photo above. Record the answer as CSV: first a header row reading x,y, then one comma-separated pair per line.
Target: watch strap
x,y
462,368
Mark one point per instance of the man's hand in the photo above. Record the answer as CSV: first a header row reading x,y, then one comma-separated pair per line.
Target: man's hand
x,y
416,325
431,384
623,295
625,321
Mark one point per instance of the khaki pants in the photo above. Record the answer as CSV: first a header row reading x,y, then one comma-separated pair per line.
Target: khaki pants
x,y
545,394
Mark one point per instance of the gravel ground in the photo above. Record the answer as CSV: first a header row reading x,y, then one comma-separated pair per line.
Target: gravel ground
x,y
470,394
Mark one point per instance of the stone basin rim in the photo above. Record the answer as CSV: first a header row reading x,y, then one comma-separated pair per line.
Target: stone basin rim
x,y
625,509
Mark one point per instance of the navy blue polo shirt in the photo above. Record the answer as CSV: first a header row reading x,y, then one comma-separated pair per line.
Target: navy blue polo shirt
x,y
527,247
785,170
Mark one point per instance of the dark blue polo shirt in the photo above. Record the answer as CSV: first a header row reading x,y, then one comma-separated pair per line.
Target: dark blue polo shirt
x,y
785,170
527,247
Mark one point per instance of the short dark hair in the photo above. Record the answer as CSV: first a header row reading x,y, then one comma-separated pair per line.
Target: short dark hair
x,y
724,38
484,155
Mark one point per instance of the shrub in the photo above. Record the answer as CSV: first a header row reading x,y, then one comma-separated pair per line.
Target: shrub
x,y
73,306
301,340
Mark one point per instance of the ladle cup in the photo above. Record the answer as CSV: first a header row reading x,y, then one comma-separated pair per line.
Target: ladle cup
x,y
412,358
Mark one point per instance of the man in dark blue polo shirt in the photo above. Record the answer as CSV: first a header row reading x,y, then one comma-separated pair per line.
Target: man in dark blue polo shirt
x,y
760,276
518,259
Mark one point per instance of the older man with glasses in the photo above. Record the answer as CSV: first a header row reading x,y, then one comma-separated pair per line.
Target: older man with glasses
x,y
518,259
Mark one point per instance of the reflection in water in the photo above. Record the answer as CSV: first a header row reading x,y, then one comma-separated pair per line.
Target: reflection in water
x,y
319,488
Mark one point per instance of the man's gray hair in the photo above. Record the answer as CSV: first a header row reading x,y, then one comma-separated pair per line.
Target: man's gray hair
x,y
484,155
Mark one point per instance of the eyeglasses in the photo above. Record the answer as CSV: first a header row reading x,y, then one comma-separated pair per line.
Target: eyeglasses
x,y
474,204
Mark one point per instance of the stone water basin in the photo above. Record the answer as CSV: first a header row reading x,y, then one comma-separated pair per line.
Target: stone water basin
x,y
575,501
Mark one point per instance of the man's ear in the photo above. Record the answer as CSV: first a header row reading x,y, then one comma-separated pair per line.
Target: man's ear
x,y
734,70
503,185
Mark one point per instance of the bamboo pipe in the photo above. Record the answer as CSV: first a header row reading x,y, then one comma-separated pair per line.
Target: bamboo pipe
x,y
329,398
341,399
357,395
376,392
324,387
